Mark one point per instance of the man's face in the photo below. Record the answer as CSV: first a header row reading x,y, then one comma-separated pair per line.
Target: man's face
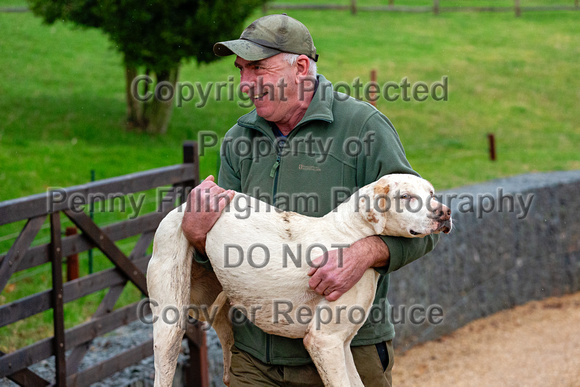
x,y
272,85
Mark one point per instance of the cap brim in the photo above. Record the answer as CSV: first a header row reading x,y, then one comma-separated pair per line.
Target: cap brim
x,y
244,49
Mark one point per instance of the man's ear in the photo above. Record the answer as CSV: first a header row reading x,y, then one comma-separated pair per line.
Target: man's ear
x,y
302,66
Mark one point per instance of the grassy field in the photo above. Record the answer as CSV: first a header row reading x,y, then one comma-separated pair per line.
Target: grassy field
x,y
62,102
62,106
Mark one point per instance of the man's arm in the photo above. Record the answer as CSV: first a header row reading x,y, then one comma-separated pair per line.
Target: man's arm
x,y
344,268
383,253
204,206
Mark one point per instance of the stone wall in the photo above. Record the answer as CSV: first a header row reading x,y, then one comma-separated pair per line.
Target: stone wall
x,y
498,255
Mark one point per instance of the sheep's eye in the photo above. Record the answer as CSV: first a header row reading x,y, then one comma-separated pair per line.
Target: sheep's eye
x,y
405,196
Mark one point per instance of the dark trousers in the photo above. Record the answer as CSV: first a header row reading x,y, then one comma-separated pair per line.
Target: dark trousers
x,y
373,362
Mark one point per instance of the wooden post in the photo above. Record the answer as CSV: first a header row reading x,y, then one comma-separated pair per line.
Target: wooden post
x,y
491,139
436,7
190,152
197,371
372,95
92,215
72,261
391,3
353,7
517,8
57,296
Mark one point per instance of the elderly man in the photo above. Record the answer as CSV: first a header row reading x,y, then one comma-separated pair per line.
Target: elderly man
x,y
316,147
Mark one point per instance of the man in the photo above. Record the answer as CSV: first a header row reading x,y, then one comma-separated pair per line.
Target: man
x,y
304,148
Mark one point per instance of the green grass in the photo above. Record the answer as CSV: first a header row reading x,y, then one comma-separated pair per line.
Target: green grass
x,y
62,107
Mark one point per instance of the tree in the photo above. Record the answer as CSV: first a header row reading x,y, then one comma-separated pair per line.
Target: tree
x,y
155,35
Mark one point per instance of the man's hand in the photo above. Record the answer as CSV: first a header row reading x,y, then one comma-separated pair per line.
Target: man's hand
x,y
204,206
344,268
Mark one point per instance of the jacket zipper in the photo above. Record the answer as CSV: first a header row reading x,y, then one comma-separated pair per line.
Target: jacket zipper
x,y
268,345
274,172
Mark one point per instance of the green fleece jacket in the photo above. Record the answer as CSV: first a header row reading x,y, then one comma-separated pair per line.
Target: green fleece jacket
x,y
340,145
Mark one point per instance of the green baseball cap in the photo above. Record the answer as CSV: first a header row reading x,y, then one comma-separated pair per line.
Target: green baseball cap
x,y
268,36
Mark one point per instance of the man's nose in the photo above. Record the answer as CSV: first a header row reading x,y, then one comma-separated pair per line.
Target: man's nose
x,y
245,87
247,83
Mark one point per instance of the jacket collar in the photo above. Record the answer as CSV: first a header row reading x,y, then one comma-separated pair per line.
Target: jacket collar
x,y
320,109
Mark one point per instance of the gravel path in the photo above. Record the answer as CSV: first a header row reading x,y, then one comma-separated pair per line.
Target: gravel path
x,y
536,344
137,375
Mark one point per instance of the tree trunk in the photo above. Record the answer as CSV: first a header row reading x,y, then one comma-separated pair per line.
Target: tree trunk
x,y
134,111
157,111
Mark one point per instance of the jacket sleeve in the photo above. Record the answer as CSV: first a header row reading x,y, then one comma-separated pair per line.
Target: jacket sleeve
x,y
385,155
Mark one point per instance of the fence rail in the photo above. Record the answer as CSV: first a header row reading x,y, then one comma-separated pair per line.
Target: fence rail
x,y
35,210
354,7
437,7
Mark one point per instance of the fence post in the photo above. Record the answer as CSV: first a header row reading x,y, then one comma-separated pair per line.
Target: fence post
x,y
436,7
57,296
517,8
190,152
197,371
92,215
491,140
353,7
372,94
72,261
